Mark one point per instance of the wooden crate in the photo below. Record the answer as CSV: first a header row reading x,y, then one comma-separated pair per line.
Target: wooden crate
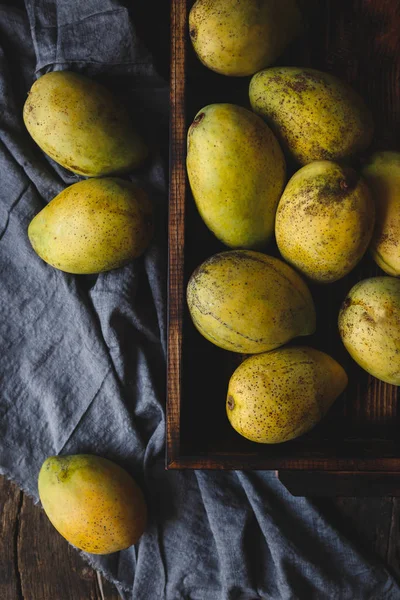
x,y
358,41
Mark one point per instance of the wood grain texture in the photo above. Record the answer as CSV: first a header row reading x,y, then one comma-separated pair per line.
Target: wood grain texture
x,y
10,506
355,40
36,563
259,462
176,224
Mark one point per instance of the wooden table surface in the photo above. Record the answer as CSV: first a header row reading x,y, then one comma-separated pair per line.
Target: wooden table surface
x,y
36,563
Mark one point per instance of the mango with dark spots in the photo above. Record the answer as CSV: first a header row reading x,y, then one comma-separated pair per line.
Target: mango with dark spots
x,y
81,125
248,302
324,221
369,325
240,38
280,395
236,172
382,174
315,115
93,226
92,502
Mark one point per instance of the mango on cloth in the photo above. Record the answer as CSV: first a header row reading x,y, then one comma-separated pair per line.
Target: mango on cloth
x,y
324,221
277,396
81,125
249,302
92,502
382,174
240,38
236,172
369,325
315,115
93,226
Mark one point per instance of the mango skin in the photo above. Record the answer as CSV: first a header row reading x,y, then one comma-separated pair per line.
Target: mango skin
x,y
79,124
248,302
324,221
93,226
236,171
240,38
369,325
92,502
382,175
314,115
277,396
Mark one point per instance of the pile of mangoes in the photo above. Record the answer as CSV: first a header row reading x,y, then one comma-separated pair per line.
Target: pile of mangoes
x,y
92,226
324,219
98,224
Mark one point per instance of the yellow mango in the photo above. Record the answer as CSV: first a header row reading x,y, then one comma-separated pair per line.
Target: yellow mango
x,y
314,115
81,125
369,325
249,302
383,177
324,221
240,38
236,172
92,502
277,396
93,226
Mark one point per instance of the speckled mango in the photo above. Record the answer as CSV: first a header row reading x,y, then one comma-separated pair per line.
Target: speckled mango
x,y
324,221
277,396
93,226
249,302
315,115
81,125
369,325
382,174
240,38
92,502
236,171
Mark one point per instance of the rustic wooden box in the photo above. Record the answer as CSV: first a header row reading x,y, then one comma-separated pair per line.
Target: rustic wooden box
x,y
359,42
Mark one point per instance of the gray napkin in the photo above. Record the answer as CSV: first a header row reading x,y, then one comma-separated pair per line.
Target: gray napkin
x,y
83,358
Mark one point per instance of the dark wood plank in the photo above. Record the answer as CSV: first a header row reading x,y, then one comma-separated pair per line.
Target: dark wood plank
x,y
259,461
176,224
10,507
393,548
372,524
341,483
36,563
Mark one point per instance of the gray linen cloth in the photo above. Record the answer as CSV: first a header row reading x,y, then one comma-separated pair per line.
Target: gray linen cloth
x,y
83,358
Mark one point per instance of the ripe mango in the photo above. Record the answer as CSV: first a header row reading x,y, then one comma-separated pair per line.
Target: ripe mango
x,y
92,502
315,115
324,221
369,325
249,302
240,38
81,125
277,396
92,226
236,171
382,174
